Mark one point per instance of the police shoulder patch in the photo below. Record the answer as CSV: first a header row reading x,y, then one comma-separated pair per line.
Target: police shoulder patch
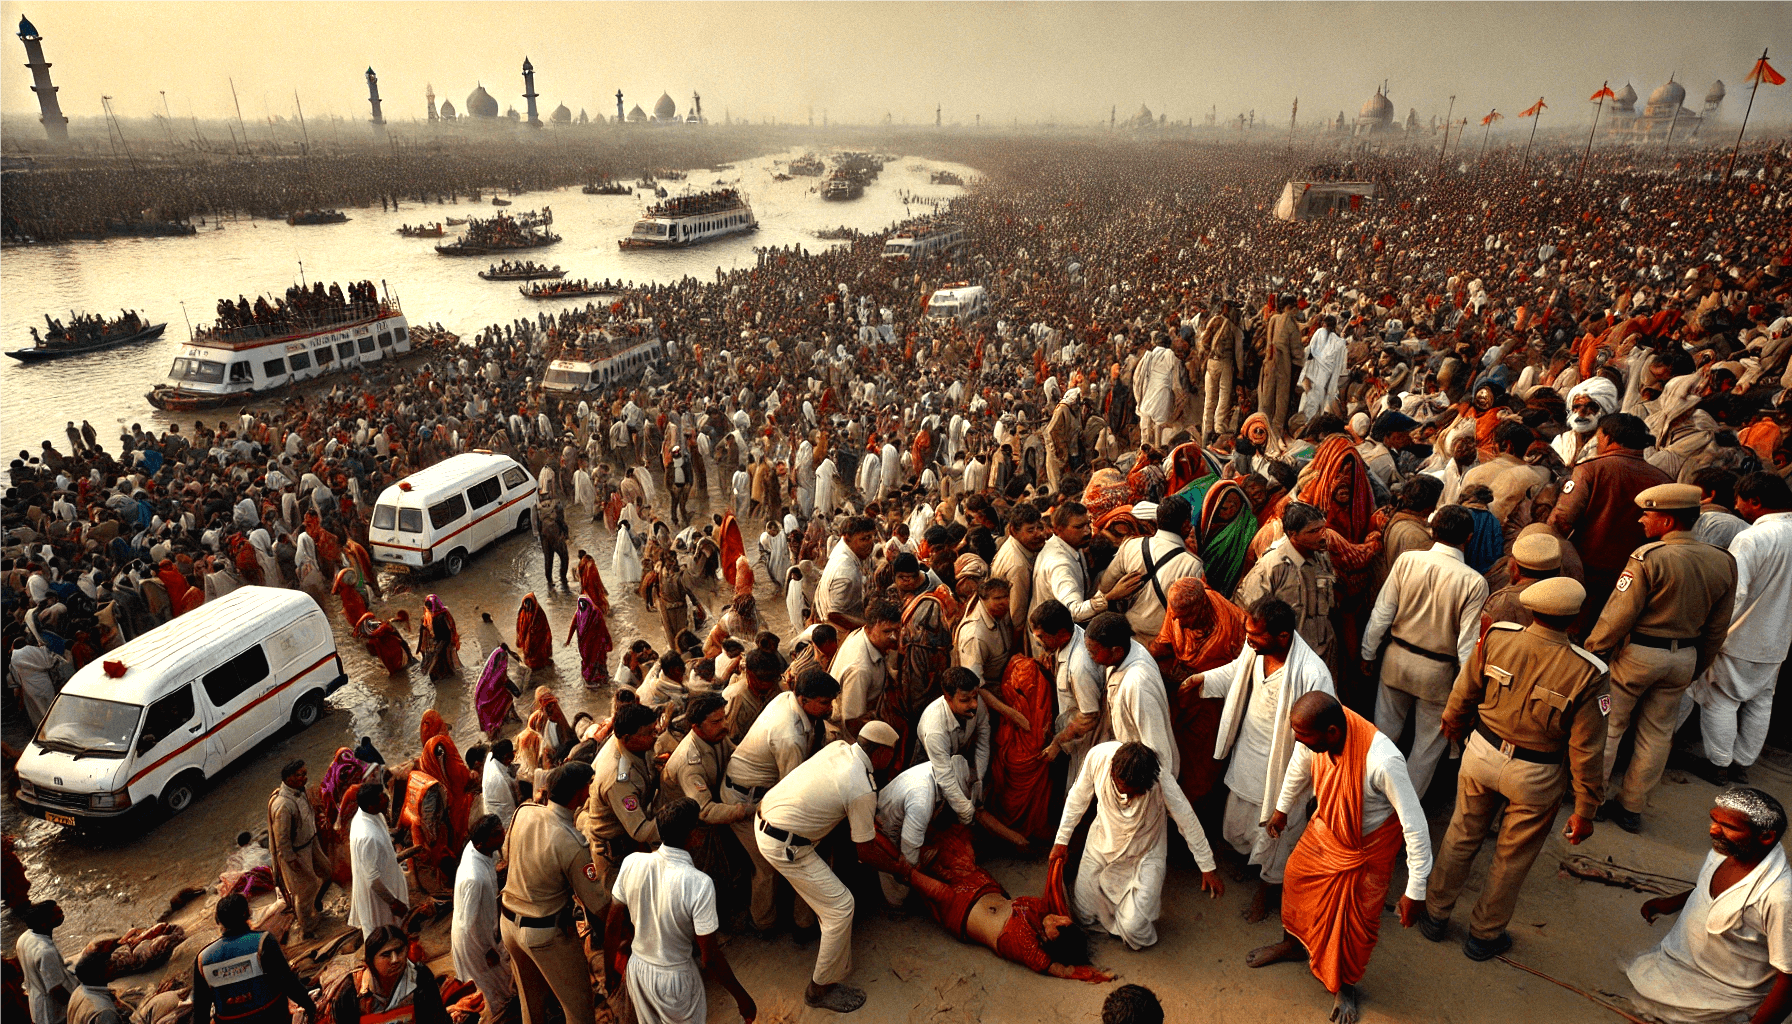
x,y
1624,582
590,872
693,758
1568,488
629,803
1605,704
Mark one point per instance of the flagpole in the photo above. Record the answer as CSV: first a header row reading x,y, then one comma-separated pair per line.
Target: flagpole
x,y
1485,133
1751,106
1441,152
1538,116
1604,88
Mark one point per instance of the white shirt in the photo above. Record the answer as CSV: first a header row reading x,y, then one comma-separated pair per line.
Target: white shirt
x,y
1432,599
44,970
944,736
1139,707
372,856
863,674
1761,621
1387,789
670,902
498,790
474,929
1147,611
832,786
776,743
906,807
1722,952
1061,573
1081,683
842,586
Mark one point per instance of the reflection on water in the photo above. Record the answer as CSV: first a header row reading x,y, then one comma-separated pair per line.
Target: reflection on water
x,y
156,275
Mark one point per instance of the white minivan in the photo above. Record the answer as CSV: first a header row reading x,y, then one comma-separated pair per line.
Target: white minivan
x,y
439,517
153,719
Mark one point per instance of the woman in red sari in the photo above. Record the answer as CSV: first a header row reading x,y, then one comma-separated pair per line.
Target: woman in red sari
x,y
347,586
534,639
1338,482
182,596
1202,631
733,547
1020,787
384,641
593,634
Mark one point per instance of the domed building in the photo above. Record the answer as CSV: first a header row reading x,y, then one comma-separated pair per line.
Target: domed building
x,y
665,111
561,115
636,115
1663,115
448,113
481,104
1377,114
1714,98
1625,101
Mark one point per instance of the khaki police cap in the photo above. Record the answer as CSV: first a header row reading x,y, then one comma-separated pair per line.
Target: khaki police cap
x,y
1666,497
879,733
1559,596
1538,551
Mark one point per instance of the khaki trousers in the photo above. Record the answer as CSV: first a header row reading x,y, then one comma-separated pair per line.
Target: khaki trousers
x,y
1647,684
559,965
765,880
1531,793
1216,400
303,877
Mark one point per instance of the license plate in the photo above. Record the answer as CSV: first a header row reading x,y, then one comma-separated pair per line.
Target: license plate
x,y
399,567
59,819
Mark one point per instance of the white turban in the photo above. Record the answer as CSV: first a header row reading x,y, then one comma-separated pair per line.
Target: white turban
x,y
1600,390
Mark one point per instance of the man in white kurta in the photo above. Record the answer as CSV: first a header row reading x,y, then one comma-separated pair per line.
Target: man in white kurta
x,y
48,981
1735,695
377,877
956,725
479,953
1256,733
670,903
496,785
1156,380
1323,375
905,809
1120,881
1137,706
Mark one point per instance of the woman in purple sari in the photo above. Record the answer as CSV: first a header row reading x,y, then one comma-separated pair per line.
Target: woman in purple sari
x,y
495,696
593,634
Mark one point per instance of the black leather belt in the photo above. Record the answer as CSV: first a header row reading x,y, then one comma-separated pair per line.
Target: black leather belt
x,y
1521,753
1448,659
529,922
1662,642
753,794
788,838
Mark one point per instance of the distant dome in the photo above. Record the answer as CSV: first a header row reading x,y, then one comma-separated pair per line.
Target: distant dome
x,y
1378,107
1716,95
481,104
447,110
562,115
665,109
1626,98
1672,94
512,114
637,114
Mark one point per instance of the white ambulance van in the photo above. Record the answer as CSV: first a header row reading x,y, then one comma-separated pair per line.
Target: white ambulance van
x,y
438,518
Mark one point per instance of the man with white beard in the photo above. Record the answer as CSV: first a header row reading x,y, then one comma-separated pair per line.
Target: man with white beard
x,y
1157,381
478,950
1119,884
1588,401
1323,375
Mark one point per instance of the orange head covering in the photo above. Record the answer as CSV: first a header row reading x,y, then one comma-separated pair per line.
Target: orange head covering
x,y
1336,464
432,726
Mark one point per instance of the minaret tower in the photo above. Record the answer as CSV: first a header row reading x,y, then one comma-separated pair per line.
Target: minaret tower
x,y
373,97
529,92
55,125
619,117
429,93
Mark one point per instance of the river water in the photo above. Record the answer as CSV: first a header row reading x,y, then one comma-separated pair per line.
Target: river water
x,y
108,883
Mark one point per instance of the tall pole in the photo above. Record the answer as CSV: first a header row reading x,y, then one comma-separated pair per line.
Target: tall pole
x,y
1488,130
1441,152
1538,116
1604,88
1759,74
239,112
306,132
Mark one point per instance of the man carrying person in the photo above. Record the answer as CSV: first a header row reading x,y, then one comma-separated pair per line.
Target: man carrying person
x,y
956,725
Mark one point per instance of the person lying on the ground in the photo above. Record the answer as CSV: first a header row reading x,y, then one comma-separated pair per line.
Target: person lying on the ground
x,y
972,907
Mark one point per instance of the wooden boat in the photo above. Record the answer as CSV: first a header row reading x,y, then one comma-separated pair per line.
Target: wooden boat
x,y
44,353
560,292
304,217
500,202
608,188
538,273
423,232
455,222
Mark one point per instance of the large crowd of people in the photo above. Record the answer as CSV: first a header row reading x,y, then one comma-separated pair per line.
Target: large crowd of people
x,y
1250,531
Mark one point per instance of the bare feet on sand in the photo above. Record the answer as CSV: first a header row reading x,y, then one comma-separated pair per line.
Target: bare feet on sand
x,y
1287,949
1344,1007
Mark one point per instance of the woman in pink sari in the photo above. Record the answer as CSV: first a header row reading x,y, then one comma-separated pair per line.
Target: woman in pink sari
x,y
494,697
593,635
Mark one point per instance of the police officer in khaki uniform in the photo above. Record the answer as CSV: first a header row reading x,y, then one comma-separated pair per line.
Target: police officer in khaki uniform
x,y
300,866
1535,557
1667,619
695,768
1528,700
1299,571
618,816
550,867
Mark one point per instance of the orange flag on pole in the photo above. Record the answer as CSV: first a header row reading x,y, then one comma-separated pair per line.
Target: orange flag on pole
x,y
1534,109
1765,74
1492,116
1605,93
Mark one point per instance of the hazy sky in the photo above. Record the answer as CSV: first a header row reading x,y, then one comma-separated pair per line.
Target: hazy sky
x,y
859,61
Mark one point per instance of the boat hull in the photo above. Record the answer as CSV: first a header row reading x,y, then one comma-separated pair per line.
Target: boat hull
x,y
40,355
545,276
480,250
632,243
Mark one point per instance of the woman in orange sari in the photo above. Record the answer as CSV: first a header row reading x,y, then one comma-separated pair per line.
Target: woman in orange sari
x,y
1020,783
1202,631
733,547
182,596
534,639
438,642
347,586
1338,482
384,641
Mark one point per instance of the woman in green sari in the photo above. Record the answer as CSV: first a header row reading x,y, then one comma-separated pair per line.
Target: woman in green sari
x,y
1226,528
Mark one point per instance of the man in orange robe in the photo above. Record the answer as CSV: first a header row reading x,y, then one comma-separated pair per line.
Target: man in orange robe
x,y
1337,878
1201,631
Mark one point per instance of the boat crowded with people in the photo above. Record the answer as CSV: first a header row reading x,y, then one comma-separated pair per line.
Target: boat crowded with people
x,y
607,187
692,220
928,238
945,178
503,233
255,349
85,333
560,290
808,166
840,186
423,231
301,218
526,270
